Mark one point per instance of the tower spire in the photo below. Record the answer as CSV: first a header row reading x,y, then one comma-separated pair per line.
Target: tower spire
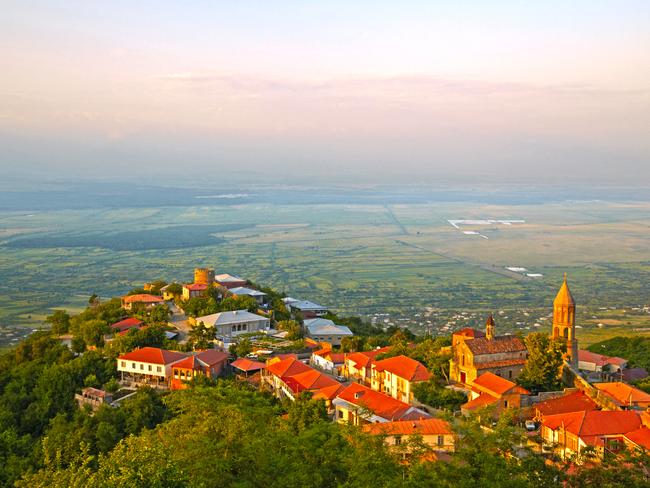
x,y
489,327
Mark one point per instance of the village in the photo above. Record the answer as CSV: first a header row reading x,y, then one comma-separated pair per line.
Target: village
x,y
294,349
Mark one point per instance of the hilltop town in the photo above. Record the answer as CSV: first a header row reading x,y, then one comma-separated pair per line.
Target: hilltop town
x,y
415,395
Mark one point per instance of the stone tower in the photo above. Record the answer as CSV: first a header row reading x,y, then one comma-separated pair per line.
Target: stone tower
x,y
489,328
564,322
204,276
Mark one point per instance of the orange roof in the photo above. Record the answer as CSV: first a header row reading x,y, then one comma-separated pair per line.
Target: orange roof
x,y
362,359
190,362
469,332
309,380
196,287
153,355
622,393
378,403
329,392
409,427
594,423
495,385
599,359
287,367
499,364
480,401
404,367
573,402
245,364
127,323
212,356
640,437
142,298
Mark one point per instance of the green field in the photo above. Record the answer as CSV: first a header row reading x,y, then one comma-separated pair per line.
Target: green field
x,y
405,261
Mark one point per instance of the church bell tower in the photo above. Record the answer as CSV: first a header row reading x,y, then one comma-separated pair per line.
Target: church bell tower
x,y
564,322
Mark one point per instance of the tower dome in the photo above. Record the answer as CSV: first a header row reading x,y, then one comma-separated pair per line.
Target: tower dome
x,y
564,297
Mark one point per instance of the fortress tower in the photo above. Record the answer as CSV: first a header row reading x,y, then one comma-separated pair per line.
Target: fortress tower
x,y
203,276
564,322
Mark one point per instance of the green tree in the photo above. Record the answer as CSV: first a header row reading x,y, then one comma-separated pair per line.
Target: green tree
x,y
543,369
305,412
243,347
60,322
292,327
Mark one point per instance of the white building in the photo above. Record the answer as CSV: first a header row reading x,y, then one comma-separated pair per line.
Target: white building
x,y
148,365
229,324
260,297
324,330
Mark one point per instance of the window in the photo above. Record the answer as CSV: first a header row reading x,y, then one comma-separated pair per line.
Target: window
x,y
234,328
142,366
244,327
398,440
158,368
441,440
510,374
462,360
505,403
133,365
150,367
123,363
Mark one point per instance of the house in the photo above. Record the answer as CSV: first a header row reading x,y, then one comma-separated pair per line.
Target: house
x,y
127,324
358,365
309,310
638,439
93,397
229,281
247,367
359,405
328,360
278,368
624,395
474,353
436,433
142,299
492,390
166,294
570,433
324,330
600,366
258,296
194,290
148,365
396,376
210,363
576,401
229,324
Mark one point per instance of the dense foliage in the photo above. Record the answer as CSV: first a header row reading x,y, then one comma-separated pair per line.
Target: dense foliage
x,y
543,370
635,349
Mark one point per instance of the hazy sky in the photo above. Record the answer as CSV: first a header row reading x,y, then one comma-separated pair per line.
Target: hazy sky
x,y
328,89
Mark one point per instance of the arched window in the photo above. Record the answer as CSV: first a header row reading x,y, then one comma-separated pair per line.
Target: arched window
x,y
566,333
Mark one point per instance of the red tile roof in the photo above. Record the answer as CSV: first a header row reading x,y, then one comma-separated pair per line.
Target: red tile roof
x,y
127,323
599,359
212,356
588,425
640,437
482,400
496,386
404,367
190,362
309,380
196,287
498,345
142,298
378,403
244,364
287,367
499,364
573,402
469,332
409,427
623,394
363,359
153,355
329,392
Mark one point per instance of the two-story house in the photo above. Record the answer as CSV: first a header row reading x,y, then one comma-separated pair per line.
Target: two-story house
x,y
148,365
396,376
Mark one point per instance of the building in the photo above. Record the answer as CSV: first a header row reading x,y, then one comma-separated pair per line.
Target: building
x,y
571,433
93,397
204,276
624,396
246,367
328,360
475,353
141,299
576,401
229,281
324,330
396,376
230,324
638,439
309,310
148,366
258,296
436,433
599,366
358,365
564,322
359,405
492,390
123,326
210,363
166,294
194,290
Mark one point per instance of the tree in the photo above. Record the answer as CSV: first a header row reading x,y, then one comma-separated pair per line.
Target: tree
x,y
543,369
292,327
304,412
112,385
175,289
201,336
60,322
159,315
433,394
354,343
243,347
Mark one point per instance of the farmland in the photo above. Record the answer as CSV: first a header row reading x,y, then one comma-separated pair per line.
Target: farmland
x,y
399,263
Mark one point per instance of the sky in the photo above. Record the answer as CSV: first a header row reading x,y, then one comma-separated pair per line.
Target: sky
x,y
333,90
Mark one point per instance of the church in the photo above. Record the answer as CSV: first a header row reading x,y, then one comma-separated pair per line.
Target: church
x,y
475,352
